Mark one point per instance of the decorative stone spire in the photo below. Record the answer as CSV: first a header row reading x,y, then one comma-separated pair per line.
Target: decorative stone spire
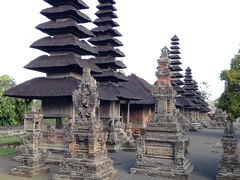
x,y
163,72
164,140
164,93
87,157
85,98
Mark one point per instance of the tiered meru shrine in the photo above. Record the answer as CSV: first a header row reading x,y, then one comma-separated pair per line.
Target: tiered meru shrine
x,y
126,102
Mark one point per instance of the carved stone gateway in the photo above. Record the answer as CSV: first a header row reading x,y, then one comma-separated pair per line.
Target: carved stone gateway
x,y
229,167
30,156
87,157
163,150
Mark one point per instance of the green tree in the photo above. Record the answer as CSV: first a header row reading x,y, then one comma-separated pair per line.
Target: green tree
x,y
11,109
230,98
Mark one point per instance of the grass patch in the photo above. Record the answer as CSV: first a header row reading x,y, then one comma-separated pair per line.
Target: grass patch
x,y
8,151
9,140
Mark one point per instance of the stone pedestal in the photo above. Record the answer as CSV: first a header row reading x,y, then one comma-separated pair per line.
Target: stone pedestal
x,y
87,157
30,157
229,167
163,150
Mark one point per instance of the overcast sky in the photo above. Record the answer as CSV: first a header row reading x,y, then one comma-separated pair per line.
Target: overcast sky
x,y
209,33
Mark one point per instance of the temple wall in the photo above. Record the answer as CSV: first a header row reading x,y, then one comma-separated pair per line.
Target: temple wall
x,y
139,114
108,111
136,116
57,108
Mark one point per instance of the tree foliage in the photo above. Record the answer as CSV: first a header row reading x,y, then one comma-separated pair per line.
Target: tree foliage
x,y
230,98
204,89
11,109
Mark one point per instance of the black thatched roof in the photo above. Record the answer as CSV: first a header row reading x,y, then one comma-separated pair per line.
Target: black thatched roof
x,y
109,62
106,13
174,56
105,21
141,88
185,103
175,38
66,11
43,88
103,30
176,82
178,89
175,62
105,40
175,51
64,43
64,27
106,6
107,1
78,4
175,68
111,75
109,51
113,92
62,63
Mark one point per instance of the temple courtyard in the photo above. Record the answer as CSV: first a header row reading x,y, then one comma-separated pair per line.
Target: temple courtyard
x,y
205,153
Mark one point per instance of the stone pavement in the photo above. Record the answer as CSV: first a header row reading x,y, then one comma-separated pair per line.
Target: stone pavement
x,y
204,156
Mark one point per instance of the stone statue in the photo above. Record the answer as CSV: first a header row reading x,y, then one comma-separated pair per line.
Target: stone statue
x,y
85,98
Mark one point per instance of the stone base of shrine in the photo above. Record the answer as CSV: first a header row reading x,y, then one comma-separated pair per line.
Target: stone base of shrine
x,y
101,169
24,171
165,171
233,177
228,176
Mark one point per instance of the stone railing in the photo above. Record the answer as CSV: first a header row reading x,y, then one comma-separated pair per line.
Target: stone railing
x,y
11,130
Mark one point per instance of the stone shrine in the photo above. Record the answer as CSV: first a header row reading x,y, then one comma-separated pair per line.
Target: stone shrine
x,y
30,156
229,168
163,150
87,157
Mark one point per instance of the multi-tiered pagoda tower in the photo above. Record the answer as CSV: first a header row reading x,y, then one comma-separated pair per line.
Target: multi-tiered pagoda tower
x,y
64,61
106,44
63,64
191,96
174,56
163,149
203,105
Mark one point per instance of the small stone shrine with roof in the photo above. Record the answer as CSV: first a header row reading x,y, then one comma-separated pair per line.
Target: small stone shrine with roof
x,y
229,167
163,150
30,157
